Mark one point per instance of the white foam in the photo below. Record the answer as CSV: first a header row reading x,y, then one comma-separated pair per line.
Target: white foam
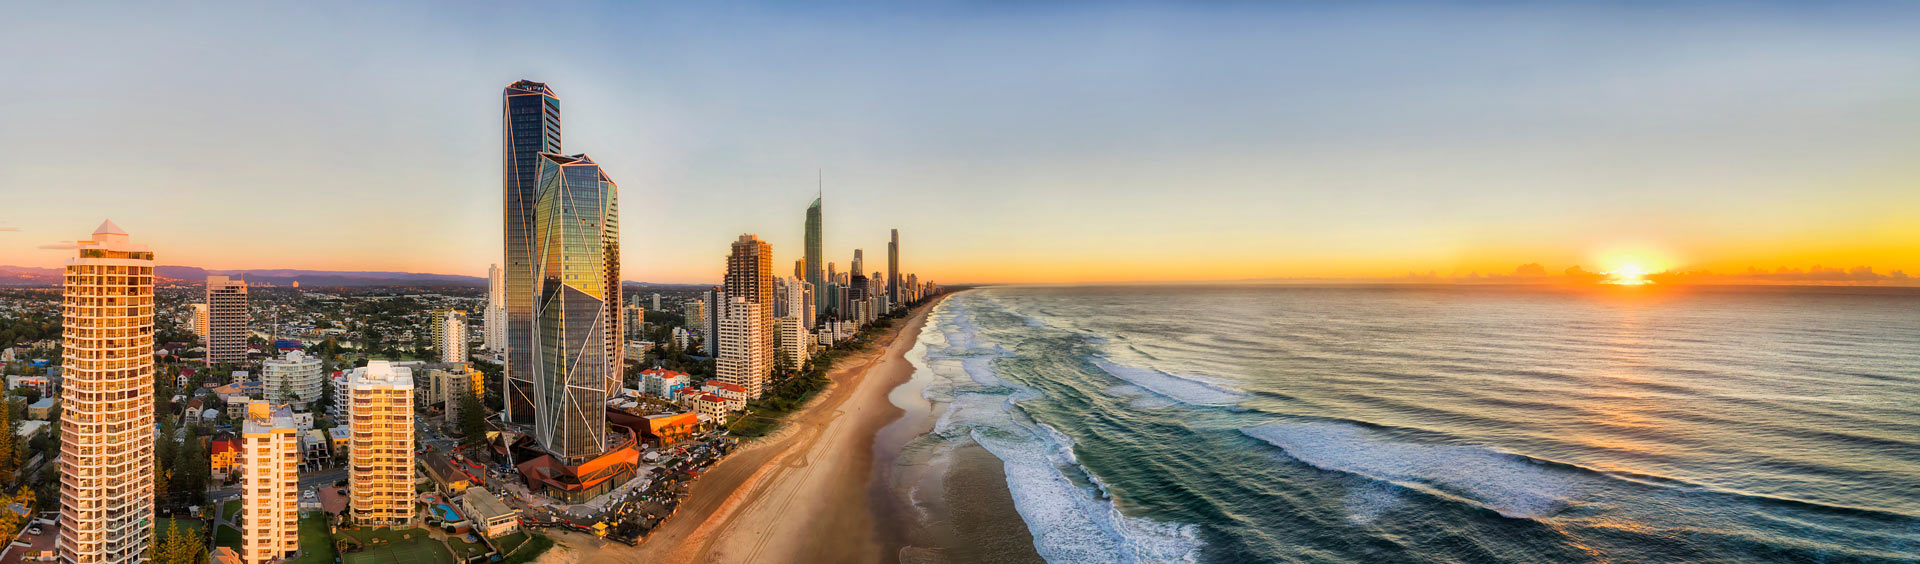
x,y
1186,390
1510,485
1071,521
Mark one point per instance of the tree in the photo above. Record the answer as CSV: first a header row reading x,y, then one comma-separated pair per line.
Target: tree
x,y
286,393
473,419
10,520
9,447
176,547
325,401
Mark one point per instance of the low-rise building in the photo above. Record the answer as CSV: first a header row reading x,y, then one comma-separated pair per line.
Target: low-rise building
x,y
42,409
225,456
664,383
712,406
491,516
735,395
671,428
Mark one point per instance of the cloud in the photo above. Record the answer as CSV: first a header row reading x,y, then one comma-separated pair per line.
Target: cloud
x,y
57,246
9,229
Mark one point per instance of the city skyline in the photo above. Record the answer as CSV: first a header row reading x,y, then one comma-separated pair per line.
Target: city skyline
x,y
1387,162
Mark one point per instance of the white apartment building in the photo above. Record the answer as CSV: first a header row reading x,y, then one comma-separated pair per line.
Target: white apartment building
x,y
106,439
270,484
791,341
450,335
495,318
745,357
380,448
293,371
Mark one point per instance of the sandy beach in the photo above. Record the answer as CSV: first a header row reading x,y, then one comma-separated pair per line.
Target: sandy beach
x,y
801,495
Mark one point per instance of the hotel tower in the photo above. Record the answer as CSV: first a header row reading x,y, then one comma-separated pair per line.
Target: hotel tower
x,y
746,328
270,484
380,444
106,426
577,349
531,117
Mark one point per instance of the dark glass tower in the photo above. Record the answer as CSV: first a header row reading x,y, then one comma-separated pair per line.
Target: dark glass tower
x,y
531,118
575,318
893,268
814,260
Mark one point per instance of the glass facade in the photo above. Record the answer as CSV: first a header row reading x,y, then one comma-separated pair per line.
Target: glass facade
x,y
531,117
576,260
814,260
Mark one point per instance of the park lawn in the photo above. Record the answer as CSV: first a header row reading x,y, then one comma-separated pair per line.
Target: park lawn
x,y
507,543
229,509
227,536
316,544
421,549
187,526
529,550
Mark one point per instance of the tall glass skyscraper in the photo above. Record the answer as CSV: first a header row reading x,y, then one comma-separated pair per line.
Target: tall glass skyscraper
x,y
814,260
531,117
893,268
576,325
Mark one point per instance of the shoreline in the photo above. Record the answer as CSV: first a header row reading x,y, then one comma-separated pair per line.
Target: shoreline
x,y
942,500
802,494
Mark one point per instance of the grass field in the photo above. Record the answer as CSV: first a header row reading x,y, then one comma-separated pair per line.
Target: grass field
x,y
229,509
506,544
227,536
420,549
187,526
529,550
316,544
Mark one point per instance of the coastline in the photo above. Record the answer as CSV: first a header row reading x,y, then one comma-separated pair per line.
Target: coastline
x,y
803,494
942,500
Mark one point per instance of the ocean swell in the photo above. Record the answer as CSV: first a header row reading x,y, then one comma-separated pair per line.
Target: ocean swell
x,y
1510,485
1068,510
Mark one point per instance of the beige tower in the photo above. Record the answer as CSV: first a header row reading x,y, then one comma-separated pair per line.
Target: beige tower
x,y
106,430
226,320
380,469
270,484
746,352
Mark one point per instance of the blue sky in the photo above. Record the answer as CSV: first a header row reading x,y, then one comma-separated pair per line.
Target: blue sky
x,y
1073,141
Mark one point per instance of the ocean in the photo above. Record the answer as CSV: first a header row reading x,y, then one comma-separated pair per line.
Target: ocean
x,y
1438,424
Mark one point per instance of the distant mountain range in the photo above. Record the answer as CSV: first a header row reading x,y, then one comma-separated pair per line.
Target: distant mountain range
x,y
41,276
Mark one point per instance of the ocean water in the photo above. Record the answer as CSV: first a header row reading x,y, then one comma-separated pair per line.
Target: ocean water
x,y
1441,424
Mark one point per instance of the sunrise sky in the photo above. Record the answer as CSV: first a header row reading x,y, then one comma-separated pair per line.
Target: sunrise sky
x,y
1007,143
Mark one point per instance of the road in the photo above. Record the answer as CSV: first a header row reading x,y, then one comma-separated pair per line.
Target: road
x,y
306,481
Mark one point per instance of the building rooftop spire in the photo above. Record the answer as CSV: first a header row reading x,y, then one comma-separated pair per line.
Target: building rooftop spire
x,y
108,228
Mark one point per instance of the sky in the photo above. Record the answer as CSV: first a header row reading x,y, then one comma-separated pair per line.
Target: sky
x,y
1054,142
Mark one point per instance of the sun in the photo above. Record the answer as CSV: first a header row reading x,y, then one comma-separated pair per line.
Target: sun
x,y
1628,275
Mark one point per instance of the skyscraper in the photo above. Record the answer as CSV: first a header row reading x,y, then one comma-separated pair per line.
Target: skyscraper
x,y
270,484
750,277
577,346
380,444
893,269
495,317
226,320
106,438
746,347
530,116
814,256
